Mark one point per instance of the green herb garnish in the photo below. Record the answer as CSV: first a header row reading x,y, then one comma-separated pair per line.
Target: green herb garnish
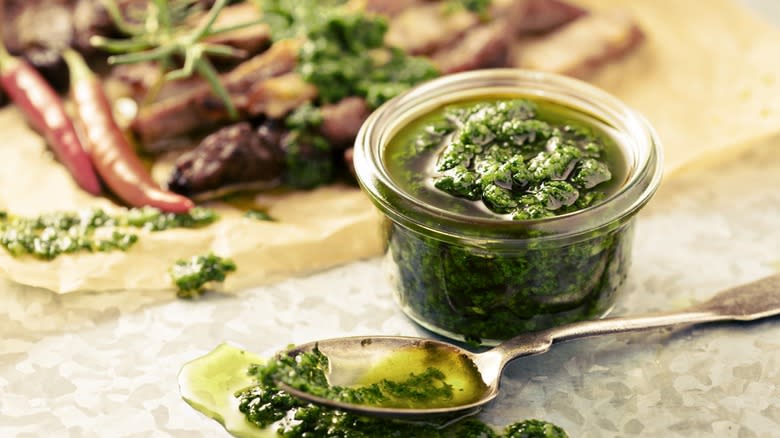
x,y
164,36
190,276
52,234
259,215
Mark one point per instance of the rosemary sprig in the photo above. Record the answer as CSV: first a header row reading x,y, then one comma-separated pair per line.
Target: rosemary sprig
x,y
165,37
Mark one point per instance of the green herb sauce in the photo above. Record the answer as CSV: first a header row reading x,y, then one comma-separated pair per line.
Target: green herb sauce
x,y
190,276
411,378
509,159
268,407
49,235
218,384
482,296
343,55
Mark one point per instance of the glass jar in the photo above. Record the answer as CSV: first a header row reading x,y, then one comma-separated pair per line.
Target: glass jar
x,y
484,279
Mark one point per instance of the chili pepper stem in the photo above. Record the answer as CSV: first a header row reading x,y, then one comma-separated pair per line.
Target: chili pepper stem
x,y
78,67
7,61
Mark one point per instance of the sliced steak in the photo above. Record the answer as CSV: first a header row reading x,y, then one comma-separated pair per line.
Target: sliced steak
x,y
486,45
252,39
199,108
424,28
234,154
581,46
483,47
342,120
545,15
139,78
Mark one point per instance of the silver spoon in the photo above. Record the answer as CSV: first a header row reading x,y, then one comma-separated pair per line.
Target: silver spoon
x,y
351,356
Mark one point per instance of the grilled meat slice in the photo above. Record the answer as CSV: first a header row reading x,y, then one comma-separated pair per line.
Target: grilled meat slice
x,y
545,15
199,108
581,46
277,96
342,120
236,156
487,44
140,77
483,47
252,39
232,155
424,28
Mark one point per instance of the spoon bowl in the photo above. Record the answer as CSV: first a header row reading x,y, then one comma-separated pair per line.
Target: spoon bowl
x,y
351,358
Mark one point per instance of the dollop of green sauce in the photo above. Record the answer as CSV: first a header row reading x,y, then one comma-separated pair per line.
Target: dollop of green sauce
x,y
191,275
265,405
50,235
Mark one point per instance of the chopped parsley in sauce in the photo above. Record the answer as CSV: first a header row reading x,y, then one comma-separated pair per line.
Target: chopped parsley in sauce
x,y
266,406
510,157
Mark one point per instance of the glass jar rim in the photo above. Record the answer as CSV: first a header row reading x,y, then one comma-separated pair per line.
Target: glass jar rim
x,y
638,142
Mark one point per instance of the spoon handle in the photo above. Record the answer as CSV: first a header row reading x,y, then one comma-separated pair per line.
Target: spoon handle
x,y
751,301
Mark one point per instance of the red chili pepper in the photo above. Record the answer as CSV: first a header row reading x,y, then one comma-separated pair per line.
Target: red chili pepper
x,y
44,110
113,155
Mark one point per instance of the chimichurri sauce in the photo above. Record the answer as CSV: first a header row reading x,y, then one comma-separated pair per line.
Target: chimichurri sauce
x,y
49,235
191,275
505,157
423,377
515,160
266,406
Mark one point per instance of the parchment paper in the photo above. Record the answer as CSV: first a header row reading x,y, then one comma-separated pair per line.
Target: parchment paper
x,y
706,78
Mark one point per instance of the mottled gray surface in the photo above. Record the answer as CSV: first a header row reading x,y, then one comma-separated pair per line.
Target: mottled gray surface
x,y
106,364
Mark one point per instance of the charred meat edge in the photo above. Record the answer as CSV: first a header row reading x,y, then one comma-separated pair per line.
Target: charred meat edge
x,y
233,154
237,156
200,109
